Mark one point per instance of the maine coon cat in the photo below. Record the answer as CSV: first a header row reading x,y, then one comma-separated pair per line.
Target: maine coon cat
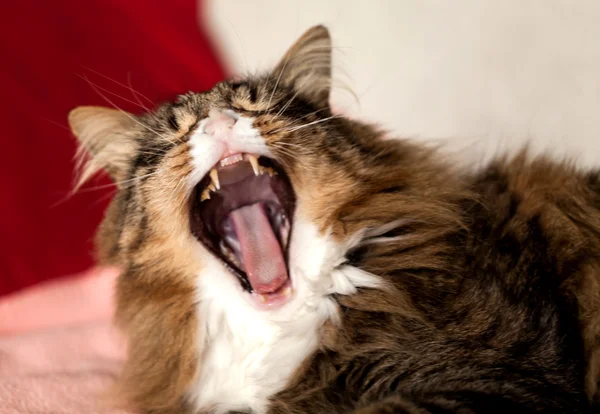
x,y
279,258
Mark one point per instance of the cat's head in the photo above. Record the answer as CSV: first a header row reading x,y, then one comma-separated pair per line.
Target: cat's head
x,y
251,177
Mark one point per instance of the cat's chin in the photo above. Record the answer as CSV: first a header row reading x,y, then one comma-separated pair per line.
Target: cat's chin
x,y
276,299
242,213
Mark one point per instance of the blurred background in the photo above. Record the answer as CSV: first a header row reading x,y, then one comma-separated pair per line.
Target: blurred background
x,y
479,77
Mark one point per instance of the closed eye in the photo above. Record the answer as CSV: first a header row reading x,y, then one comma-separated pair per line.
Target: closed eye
x,y
249,112
243,110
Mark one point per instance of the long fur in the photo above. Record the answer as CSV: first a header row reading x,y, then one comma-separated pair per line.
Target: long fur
x,y
420,287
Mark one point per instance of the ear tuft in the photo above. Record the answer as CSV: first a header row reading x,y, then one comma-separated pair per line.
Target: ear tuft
x,y
107,138
307,65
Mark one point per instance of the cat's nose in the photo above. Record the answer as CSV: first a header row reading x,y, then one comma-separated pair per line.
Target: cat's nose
x,y
219,124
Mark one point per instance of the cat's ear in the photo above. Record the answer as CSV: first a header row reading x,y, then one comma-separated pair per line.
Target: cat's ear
x,y
107,137
307,65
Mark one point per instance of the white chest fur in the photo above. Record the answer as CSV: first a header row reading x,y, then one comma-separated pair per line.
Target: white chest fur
x,y
249,354
247,363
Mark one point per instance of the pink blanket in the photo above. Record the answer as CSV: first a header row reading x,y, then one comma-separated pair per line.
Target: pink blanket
x,y
58,350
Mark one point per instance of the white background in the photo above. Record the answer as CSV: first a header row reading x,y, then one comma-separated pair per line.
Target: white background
x,y
480,76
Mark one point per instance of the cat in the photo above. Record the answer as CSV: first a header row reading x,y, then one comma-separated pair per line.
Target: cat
x,y
279,258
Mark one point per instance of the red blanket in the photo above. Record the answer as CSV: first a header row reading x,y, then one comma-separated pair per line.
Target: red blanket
x,y
58,351
47,49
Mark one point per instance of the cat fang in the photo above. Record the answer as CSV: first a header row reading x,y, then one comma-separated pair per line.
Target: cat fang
x,y
242,214
215,185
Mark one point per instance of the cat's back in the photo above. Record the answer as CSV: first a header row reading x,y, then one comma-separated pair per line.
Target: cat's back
x,y
536,211
533,255
500,313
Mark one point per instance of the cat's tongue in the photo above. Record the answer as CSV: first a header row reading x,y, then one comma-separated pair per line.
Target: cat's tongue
x,y
261,252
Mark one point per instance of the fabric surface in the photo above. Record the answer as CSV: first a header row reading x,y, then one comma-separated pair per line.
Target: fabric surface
x,y
49,49
59,352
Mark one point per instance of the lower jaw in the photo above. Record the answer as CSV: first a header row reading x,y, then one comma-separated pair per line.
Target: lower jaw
x,y
274,300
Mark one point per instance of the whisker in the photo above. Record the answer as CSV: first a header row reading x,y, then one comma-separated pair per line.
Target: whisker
x,y
95,188
314,123
58,124
163,189
282,110
295,120
121,84
277,82
71,194
289,144
124,112
115,94
176,187
136,94
290,155
128,182
241,45
102,199
122,184
288,152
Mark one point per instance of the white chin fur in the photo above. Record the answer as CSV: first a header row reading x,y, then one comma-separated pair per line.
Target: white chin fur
x,y
248,353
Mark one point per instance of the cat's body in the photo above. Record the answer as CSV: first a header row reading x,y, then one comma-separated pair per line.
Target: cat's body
x,y
485,318
408,286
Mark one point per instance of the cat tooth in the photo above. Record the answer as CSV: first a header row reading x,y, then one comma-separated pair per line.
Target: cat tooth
x,y
254,162
205,195
263,298
212,187
287,292
214,176
231,160
270,171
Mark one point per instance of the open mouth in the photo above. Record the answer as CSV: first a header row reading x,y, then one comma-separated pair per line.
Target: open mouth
x,y
242,212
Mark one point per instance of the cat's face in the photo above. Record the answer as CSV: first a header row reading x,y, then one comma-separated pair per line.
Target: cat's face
x,y
245,179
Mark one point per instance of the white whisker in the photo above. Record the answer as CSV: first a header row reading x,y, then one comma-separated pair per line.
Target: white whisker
x,y
115,94
277,82
296,128
282,110
136,94
246,66
133,91
290,144
95,87
314,123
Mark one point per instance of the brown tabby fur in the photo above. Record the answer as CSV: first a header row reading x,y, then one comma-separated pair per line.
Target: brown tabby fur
x,y
565,208
492,294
